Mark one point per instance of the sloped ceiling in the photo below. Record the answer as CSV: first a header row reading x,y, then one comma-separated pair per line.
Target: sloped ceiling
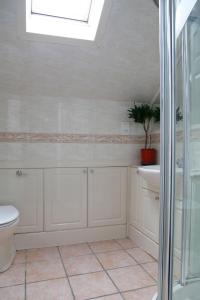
x,y
122,64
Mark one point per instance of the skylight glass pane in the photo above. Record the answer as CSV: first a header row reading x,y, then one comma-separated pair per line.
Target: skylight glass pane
x,y
70,9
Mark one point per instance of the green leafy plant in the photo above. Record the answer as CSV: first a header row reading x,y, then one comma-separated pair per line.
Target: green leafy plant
x,y
145,114
179,115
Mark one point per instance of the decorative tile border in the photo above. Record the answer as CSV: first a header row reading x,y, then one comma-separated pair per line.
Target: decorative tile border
x,y
194,136
23,137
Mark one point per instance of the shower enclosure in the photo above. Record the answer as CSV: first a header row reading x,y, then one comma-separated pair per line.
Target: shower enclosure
x,y
179,273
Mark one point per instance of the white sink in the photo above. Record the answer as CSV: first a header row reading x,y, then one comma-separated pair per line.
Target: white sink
x,y
151,175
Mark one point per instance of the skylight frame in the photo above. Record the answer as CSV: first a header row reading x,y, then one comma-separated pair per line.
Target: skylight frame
x,y
65,28
63,17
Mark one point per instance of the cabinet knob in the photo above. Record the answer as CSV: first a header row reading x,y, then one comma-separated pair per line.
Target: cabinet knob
x,y
84,171
91,171
19,173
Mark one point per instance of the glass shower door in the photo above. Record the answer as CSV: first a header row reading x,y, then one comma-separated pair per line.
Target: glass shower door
x,y
194,142
180,156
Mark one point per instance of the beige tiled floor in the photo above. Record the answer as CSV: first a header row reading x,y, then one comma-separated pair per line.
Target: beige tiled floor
x,y
107,270
140,256
82,264
152,269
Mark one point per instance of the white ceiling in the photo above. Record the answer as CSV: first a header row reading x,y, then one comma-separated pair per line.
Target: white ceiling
x,y
122,64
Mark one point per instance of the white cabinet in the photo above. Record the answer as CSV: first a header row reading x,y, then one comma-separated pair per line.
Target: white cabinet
x,y
65,194
107,195
150,222
24,189
136,203
65,198
144,207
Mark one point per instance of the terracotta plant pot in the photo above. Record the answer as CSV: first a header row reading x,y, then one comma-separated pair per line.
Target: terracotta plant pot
x,y
148,157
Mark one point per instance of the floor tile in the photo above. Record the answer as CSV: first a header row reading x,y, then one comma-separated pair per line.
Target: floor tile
x,y
82,264
130,278
126,243
115,259
44,270
46,254
91,285
13,276
111,297
143,294
152,269
74,250
104,246
20,257
12,293
57,289
140,255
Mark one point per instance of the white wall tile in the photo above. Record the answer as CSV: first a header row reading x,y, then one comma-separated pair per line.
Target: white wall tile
x,y
45,152
59,115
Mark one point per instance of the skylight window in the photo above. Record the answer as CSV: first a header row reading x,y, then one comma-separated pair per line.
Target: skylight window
x,y
70,9
78,19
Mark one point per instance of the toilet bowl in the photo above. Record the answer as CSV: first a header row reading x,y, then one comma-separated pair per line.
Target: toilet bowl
x,y
9,218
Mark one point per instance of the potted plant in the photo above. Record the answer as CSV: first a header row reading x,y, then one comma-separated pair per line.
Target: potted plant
x,y
146,115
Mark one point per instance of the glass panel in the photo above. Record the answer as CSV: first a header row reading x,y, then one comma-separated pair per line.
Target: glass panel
x,y
179,161
194,62
187,212
70,9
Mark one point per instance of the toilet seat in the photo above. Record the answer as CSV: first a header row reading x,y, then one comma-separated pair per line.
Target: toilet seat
x,y
8,215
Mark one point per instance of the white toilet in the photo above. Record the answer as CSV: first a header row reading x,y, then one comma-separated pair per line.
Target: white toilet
x,y
9,218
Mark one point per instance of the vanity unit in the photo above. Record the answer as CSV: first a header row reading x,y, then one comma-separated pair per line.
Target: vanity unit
x,y
65,204
144,213
61,205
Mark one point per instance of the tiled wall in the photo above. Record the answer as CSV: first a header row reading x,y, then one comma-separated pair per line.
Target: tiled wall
x,y
39,128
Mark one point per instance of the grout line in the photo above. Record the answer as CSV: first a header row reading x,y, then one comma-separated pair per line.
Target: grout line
x,y
25,291
8,286
101,252
105,270
90,253
116,240
138,289
43,260
43,280
148,273
141,264
123,292
78,274
87,212
66,274
108,269
149,262
137,263
107,295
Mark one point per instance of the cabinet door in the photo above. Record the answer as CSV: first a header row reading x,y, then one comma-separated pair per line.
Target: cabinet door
x,y
107,196
24,189
65,192
151,205
136,200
